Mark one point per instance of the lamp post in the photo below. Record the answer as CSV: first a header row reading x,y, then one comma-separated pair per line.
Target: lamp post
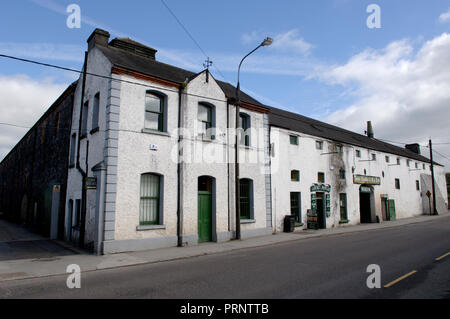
x,y
268,41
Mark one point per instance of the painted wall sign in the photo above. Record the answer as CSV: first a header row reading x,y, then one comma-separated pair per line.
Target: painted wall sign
x,y
366,180
91,183
320,188
313,202
366,189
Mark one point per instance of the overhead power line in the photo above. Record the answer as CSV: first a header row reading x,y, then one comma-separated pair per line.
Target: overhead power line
x,y
190,36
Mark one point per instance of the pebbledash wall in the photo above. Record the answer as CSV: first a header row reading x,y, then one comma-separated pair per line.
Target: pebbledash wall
x,y
120,150
309,161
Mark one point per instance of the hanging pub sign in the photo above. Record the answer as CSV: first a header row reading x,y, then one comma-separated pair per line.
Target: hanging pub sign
x,y
320,188
91,183
366,180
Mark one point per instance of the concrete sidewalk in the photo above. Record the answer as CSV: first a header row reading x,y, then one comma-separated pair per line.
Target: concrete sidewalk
x,y
33,268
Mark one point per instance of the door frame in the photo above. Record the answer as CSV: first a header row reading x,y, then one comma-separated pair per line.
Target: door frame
x,y
213,208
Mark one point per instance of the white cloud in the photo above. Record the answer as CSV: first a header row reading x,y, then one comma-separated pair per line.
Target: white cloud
x,y
48,51
445,17
405,94
23,100
290,41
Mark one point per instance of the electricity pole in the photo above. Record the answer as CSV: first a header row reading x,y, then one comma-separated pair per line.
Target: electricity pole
x,y
432,178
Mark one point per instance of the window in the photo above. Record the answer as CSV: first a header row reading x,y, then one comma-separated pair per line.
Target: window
x,y
95,113
150,205
154,112
343,207
388,159
205,120
358,153
73,141
84,119
342,174
293,139
423,166
418,185
77,216
374,157
244,124
296,209
417,165
397,183
321,177
295,176
246,198
408,162
339,149
398,161
319,145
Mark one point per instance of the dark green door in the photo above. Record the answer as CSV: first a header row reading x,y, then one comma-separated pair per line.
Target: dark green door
x,y
204,216
392,215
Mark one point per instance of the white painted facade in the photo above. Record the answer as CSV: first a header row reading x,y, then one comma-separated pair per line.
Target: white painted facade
x,y
309,161
121,150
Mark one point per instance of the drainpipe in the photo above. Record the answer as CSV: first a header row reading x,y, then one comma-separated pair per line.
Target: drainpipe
x,y
83,173
101,207
179,170
228,166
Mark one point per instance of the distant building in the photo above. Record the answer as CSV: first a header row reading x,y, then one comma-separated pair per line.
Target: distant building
x,y
33,176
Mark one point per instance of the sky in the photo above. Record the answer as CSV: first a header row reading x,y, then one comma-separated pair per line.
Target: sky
x,y
325,61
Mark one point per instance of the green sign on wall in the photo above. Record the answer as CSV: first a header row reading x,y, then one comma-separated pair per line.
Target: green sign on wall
x,y
313,202
328,205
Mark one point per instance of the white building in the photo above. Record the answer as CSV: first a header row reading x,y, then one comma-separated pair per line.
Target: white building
x,y
150,184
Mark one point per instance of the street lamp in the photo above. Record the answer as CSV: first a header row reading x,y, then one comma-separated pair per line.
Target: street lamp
x,y
268,41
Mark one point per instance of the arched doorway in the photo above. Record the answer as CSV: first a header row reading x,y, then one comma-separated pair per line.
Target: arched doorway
x,y
206,211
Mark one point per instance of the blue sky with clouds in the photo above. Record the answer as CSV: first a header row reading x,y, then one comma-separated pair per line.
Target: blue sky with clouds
x,y
325,62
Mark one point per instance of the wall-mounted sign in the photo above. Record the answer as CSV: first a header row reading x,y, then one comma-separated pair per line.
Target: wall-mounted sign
x,y
320,188
366,180
365,189
154,147
91,183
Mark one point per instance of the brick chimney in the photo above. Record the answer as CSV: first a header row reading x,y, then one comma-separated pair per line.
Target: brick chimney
x,y
370,129
98,37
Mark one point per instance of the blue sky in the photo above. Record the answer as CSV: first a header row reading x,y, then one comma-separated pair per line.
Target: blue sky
x,y
312,68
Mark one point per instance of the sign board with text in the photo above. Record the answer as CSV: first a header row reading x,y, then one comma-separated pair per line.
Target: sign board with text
x,y
366,180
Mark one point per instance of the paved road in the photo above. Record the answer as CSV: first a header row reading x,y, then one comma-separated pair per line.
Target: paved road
x,y
327,267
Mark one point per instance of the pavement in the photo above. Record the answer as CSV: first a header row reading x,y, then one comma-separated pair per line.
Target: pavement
x,y
57,265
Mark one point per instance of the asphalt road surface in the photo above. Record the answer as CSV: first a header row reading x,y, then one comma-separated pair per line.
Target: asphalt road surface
x,y
326,267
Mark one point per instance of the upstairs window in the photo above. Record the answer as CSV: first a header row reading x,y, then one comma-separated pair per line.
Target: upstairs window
x,y
84,119
398,161
358,153
374,157
397,183
95,113
73,141
293,139
418,185
321,177
388,159
154,112
295,176
339,149
244,124
319,145
205,120
342,174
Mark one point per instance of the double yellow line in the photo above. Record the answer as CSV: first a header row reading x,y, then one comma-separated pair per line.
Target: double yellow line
x,y
443,256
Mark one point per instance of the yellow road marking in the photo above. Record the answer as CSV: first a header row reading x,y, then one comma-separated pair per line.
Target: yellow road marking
x,y
443,256
400,279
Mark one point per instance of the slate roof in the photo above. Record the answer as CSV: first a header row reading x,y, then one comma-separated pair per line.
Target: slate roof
x,y
302,124
277,117
133,62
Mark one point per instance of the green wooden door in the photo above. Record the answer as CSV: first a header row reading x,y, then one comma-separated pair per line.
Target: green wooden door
x,y
392,215
204,216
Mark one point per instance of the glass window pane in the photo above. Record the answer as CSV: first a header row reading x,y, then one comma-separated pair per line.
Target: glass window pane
x,y
204,113
152,121
153,103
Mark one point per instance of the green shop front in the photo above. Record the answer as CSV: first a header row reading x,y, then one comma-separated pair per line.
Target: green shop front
x,y
320,206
